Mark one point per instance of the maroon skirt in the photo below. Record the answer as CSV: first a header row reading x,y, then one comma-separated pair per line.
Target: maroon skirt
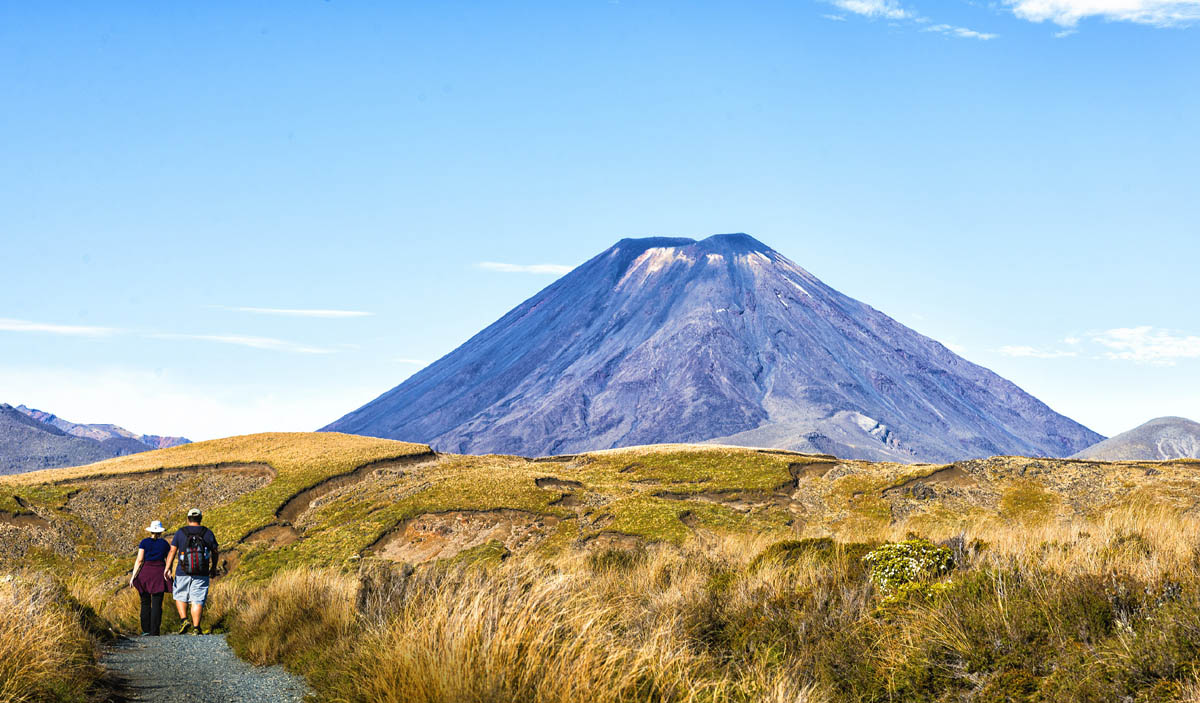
x,y
150,578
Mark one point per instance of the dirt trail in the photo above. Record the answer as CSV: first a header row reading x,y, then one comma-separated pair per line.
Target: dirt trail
x,y
195,669
300,503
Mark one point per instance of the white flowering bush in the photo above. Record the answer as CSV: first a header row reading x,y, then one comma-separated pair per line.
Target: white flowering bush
x,y
897,564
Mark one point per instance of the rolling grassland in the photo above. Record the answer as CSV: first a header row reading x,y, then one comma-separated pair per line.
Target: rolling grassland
x,y
383,571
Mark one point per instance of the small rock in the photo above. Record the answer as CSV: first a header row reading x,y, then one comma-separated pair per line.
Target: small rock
x,y
923,491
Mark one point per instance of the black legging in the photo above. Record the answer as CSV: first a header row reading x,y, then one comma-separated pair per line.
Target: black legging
x,y
151,612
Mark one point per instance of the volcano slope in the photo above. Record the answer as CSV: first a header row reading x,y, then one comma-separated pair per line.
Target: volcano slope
x,y
1157,440
722,340
669,572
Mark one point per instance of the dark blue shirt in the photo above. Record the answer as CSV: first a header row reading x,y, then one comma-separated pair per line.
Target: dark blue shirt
x,y
179,541
156,549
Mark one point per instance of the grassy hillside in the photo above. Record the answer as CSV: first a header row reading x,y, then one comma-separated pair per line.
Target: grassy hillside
x,y
92,516
324,499
674,572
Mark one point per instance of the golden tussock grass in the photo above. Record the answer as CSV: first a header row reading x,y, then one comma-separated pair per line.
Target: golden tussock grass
x,y
1079,610
528,631
1140,540
284,451
533,637
1049,599
45,654
297,618
1084,610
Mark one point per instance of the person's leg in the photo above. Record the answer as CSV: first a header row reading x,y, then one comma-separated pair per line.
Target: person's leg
x,y
180,591
145,598
156,613
198,595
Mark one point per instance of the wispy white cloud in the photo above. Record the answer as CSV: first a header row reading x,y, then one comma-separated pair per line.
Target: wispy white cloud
x,y
887,9
959,32
835,18
893,10
267,343
1068,13
1149,345
1144,345
556,269
1034,353
167,403
294,312
11,325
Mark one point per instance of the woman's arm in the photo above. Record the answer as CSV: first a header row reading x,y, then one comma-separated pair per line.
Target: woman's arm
x,y
169,571
137,565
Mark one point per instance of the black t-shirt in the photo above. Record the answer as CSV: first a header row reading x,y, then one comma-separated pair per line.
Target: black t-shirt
x,y
179,541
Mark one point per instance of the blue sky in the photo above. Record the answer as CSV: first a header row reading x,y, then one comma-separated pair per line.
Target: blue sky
x,y
220,218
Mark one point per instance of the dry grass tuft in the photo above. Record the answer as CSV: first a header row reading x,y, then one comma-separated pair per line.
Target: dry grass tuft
x,y
45,654
1078,610
297,619
533,636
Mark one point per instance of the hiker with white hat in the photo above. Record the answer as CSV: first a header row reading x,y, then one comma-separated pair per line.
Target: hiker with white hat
x,y
148,577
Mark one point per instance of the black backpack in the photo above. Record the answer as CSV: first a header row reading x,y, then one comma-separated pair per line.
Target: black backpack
x,y
196,558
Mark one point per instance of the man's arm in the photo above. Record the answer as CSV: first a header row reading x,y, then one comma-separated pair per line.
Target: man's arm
x,y
169,572
216,554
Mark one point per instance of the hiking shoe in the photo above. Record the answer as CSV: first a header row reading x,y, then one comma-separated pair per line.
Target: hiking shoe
x,y
196,631
183,630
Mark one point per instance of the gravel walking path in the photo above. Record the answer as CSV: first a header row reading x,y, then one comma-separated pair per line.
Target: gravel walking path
x,y
196,669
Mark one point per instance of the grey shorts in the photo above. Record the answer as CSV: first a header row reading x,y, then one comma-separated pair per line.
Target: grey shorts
x,y
190,589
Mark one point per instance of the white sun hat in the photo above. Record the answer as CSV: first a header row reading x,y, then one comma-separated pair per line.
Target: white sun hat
x,y
156,526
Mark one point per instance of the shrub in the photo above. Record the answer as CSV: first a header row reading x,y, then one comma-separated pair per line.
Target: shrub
x,y
616,559
918,591
896,564
823,550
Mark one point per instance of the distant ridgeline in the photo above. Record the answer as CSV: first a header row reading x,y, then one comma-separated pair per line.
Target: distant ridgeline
x,y
720,340
32,439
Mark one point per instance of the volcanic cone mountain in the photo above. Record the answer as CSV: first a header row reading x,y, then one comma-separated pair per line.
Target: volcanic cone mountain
x,y
676,340
1160,439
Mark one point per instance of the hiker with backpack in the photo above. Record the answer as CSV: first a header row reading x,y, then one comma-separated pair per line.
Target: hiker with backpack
x,y
195,546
